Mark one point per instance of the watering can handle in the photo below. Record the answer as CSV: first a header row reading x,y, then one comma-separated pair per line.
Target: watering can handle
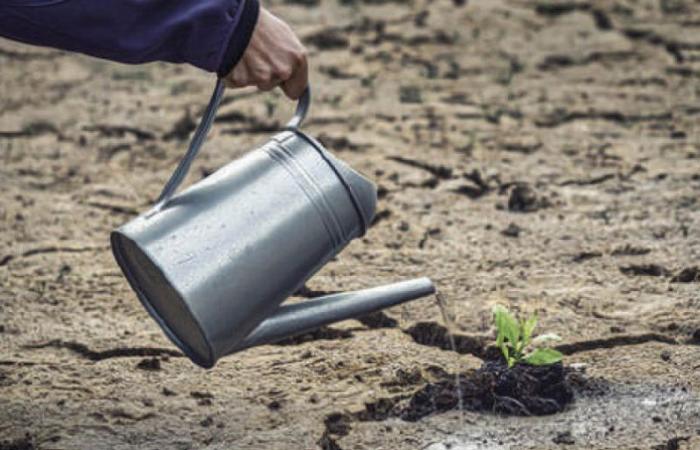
x,y
201,133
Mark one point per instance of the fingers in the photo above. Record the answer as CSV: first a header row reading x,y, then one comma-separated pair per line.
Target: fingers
x,y
239,76
293,81
299,80
259,76
274,57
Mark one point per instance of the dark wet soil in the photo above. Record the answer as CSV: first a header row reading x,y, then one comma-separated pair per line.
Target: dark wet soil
x,y
521,390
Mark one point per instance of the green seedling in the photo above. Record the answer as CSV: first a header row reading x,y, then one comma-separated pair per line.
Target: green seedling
x,y
514,339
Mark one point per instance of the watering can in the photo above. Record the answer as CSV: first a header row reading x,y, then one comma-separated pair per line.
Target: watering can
x,y
213,264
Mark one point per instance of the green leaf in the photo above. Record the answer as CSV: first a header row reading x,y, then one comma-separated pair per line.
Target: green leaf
x,y
528,326
506,324
543,357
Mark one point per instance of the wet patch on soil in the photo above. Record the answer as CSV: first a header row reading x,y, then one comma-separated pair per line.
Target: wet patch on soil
x,y
522,390
603,412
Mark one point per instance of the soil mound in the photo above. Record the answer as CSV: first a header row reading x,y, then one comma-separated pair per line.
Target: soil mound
x,y
520,390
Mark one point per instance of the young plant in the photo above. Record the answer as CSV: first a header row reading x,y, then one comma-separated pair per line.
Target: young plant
x,y
515,336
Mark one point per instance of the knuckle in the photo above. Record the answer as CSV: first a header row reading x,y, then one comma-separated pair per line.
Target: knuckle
x,y
263,76
284,73
300,57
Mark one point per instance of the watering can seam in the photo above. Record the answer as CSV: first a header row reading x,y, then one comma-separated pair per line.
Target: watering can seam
x,y
364,221
309,190
321,196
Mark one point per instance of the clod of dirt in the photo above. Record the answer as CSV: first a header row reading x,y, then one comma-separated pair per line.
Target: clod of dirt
x,y
328,443
671,444
405,378
648,270
630,250
564,438
410,94
512,230
328,39
430,232
380,216
695,338
152,364
523,198
584,256
203,398
687,275
168,392
4,379
338,424
338,144
274,405
24,443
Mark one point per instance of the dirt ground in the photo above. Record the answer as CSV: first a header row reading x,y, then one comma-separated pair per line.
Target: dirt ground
x,y
543,155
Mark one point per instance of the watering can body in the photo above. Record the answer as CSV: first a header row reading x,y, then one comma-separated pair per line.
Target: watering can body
x,y
213,264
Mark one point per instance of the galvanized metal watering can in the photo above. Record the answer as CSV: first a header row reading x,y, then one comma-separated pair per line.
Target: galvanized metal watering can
x,y
213,264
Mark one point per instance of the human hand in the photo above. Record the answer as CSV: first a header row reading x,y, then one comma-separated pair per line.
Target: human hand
x,y
274,57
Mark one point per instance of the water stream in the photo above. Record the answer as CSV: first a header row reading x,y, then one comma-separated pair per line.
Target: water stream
x,y
450,326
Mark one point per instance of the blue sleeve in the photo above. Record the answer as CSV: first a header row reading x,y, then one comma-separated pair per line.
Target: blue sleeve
x,y
209,34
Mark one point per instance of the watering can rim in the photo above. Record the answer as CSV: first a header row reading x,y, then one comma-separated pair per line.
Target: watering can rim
x,y
208,360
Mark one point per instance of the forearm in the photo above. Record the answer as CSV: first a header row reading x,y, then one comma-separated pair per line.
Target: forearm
x,y
209,34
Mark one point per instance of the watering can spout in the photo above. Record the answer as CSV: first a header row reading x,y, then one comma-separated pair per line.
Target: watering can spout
x,y
291,320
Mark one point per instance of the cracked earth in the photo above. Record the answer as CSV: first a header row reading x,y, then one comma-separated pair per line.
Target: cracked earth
x,y
544,155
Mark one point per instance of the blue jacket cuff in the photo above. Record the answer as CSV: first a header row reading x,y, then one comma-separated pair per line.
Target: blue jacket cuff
x,y
239,36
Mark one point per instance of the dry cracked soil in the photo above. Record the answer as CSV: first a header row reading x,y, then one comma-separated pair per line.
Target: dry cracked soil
x,y
539,154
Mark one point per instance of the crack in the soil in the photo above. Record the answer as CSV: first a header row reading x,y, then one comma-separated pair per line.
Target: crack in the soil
x,y
117,209
439,171
52,249
556,61
432,334
603,22
33,129
615,341
477,188
601,19
561,116
93,355
120,131
672,47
